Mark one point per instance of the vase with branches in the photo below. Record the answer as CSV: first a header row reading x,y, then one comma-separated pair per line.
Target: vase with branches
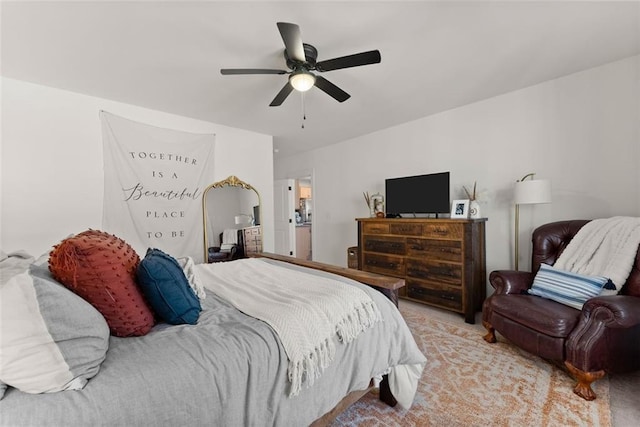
x,y
367,199
474,206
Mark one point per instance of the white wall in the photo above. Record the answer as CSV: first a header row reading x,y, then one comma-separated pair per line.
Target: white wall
x,y
52,162
579,131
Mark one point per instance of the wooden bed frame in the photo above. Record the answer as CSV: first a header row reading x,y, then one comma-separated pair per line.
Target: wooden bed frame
x,y
387,285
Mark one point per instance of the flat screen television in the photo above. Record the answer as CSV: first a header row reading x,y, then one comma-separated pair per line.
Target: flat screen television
x,y
420,194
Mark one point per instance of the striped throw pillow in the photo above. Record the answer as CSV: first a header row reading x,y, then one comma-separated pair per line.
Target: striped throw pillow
x,y
565,287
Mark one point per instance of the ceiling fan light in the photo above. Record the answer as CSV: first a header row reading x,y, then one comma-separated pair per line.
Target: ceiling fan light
x,y
302,81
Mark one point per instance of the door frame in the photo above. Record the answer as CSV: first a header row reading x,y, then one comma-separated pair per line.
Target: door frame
x,y
308,174
284,220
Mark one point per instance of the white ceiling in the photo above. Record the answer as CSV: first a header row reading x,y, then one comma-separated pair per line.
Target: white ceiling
x,y
436,55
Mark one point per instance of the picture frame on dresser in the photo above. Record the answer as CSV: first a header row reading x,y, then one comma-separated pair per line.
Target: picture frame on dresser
x,y
460,209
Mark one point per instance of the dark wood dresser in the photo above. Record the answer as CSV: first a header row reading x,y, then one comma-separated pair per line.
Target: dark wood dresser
x,y
442,261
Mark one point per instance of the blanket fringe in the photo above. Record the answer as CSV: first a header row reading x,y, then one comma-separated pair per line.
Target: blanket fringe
x,y
306,371
311,366
363,318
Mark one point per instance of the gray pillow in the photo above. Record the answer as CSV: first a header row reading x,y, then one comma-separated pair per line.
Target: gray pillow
x,y
52,340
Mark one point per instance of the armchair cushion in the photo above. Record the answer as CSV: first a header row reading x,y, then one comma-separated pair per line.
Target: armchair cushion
x,y
567,288
539,314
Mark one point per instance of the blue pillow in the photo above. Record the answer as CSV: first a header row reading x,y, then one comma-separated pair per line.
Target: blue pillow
x,y
167,289
567,288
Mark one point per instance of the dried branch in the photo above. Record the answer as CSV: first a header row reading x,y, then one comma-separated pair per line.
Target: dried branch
x,y
470,195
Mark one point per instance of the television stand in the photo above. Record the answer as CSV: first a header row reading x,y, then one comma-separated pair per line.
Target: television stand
x,y
442,261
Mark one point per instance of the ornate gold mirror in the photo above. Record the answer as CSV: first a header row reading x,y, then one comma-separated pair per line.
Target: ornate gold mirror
x,y
231,220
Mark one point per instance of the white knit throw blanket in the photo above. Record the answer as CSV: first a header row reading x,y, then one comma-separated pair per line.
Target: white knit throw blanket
x,y
305,310
603,247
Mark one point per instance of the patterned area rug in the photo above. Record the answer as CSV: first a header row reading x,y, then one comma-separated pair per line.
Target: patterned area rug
x,y
468,382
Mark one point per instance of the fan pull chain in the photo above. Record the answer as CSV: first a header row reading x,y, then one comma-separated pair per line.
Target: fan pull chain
x,y
304,110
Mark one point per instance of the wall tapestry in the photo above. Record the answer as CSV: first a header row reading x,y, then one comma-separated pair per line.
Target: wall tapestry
x,y
153,182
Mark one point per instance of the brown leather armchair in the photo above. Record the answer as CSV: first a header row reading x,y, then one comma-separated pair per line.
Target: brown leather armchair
x,y
603,337
216,254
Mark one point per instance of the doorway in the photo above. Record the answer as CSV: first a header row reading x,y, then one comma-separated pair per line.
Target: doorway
x,y
294,209
304,217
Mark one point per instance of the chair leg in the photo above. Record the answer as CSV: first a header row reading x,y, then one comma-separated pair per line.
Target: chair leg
x,y
490,337
583,387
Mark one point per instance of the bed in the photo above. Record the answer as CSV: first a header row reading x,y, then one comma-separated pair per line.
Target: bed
x,y
228,368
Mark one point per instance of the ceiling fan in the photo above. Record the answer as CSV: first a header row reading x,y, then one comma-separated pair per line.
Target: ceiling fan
x,y
301,60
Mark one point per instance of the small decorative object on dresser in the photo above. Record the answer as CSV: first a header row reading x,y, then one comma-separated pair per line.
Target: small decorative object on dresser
x,y
474,209
441,260
377,202
460,209
474,206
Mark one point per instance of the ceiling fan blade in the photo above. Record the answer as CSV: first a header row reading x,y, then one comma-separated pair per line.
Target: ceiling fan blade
x,y
330,89
282,95
355,60
232,71
292,41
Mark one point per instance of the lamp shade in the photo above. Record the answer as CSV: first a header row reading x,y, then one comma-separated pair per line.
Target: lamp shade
x,y
302,81
532,192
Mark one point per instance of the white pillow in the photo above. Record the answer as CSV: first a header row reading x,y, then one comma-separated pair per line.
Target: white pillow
x,y
188,265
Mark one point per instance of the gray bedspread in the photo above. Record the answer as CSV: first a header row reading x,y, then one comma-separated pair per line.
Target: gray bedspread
x,y
228,370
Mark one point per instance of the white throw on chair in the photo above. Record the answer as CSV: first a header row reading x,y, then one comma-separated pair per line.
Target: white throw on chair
x,y
229,239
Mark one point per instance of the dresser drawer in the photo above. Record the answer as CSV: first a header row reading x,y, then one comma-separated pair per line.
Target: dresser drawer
x,y
375,228
383,264
434,293
434,271
385,245
405,229
441,250
443,230
252,231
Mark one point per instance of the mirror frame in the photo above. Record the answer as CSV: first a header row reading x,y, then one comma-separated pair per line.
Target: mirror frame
x,y
231,181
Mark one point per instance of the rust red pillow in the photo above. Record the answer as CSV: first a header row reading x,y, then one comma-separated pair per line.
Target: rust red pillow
x,y
100,267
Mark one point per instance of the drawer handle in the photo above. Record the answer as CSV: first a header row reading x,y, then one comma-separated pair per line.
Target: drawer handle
x,y
383,245
381,264
420,291
446,272
425,274
417,273
441,230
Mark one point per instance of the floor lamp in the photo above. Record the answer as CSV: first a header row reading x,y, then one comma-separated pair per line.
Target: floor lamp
x,y
528,192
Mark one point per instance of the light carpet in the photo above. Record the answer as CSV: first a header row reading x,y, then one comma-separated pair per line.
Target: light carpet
x,y
468,382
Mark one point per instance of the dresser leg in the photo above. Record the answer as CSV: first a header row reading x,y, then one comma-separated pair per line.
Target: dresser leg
x,y
470,317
